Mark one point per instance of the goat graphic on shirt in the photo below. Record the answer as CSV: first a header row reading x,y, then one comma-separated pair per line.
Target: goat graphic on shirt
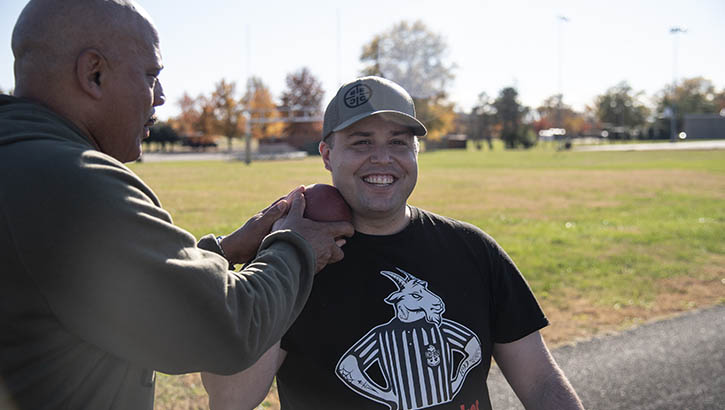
x,y
414,351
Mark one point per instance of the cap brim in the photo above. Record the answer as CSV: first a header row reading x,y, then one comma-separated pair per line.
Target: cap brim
x,y
398,117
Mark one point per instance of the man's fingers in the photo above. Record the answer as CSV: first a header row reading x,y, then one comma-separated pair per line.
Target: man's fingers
x,y
300,189
329,255
338,229
297,208
272,214
336,255
275,204
277,209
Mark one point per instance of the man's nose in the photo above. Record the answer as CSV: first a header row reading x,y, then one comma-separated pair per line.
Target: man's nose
x,y
381,154
159,97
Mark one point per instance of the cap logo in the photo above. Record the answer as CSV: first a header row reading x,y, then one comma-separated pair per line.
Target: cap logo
x,y
357,96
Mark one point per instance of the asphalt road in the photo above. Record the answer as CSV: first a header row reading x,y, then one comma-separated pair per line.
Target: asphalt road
x,y
674,364
657,146
239,156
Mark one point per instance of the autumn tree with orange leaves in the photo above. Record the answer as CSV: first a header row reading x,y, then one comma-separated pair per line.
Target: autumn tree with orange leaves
x,y
554,113
228,111
265,118
302,102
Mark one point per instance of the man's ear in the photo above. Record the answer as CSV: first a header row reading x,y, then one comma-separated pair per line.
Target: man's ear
x,y
91,68
324,149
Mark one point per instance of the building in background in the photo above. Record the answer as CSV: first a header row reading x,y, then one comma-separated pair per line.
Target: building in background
x,y
705,126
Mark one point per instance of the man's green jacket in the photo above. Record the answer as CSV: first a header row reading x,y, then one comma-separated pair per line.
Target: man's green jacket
x,y
98,288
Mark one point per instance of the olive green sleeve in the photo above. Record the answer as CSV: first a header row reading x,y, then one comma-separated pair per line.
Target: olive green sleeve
x,y
117,273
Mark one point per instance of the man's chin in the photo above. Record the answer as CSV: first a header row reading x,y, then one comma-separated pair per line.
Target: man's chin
x,y
133,154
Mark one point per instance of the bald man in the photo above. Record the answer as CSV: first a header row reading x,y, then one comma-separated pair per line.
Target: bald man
x,y
98,288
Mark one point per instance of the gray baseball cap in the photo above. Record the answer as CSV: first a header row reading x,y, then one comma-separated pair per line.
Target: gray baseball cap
x,y
368,96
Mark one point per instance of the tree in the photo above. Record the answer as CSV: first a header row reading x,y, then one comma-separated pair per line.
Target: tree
x,y
695,95
258,101
196,123
720,101
481,121
438,116
414,57
163,134
510,114
207,124
620,107
692,96
303,102
553,113
227,111
186,123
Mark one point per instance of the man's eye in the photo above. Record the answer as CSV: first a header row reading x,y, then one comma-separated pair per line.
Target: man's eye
x,y
361,142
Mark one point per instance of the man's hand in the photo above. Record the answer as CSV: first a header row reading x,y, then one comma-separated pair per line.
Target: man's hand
x,y
326,238
241,246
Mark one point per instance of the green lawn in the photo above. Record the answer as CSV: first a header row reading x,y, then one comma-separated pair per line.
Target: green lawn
x,y
607,223
606,229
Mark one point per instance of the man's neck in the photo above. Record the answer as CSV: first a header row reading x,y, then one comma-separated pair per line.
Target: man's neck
x,y
382,225
60,109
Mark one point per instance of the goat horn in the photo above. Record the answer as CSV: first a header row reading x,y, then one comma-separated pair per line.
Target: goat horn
x,y
397,279
407,275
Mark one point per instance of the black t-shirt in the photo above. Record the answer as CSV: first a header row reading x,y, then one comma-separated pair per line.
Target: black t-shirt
x,y
407,321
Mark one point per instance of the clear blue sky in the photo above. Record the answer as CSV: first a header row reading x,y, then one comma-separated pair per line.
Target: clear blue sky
x,y
493,43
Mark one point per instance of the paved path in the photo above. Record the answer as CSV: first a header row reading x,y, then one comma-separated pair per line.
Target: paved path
x,y
684,145
675,364
216,156
239,156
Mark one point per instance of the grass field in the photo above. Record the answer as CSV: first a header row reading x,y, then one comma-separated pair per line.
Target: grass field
x,y
606,240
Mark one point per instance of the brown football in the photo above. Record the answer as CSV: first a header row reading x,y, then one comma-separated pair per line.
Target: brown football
x,y
323,203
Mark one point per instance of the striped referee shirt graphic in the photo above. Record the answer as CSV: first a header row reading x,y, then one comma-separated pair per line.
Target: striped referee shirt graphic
x,y
416,360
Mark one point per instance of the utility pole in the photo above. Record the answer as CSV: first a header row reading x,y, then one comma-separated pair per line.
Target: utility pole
x,y
673,109
247,137
560,20
249,54
245,113
339,51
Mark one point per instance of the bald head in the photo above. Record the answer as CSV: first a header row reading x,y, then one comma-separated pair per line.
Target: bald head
x,y
95,63
50,34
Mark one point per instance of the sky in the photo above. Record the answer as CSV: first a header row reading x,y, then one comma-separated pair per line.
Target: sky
x,y
493,44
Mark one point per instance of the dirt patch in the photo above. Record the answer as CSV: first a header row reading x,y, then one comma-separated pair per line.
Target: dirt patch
x,y
583,319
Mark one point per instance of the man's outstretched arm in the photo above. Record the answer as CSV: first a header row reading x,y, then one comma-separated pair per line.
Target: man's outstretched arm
x,y
534,375
246,389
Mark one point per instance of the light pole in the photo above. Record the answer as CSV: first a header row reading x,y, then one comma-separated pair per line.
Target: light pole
x,y
560,19
339,51
673,109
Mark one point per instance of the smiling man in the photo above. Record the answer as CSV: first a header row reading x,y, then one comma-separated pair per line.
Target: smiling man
x,y
412,316
98,287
